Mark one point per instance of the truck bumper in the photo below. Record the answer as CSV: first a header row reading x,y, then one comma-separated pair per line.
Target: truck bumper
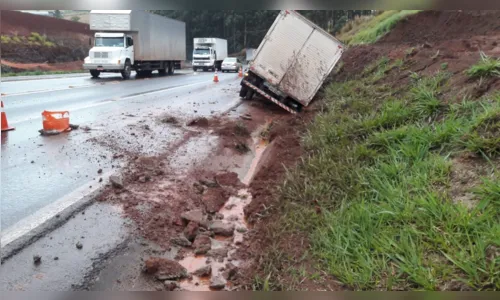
x,y
268,97
104,67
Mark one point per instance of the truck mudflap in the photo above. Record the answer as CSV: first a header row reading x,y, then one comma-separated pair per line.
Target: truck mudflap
x,y
265,95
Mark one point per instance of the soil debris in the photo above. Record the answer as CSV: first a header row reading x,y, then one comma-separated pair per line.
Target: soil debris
x,y
221,228
79,245
195,216
181,241
214,199
170,285
217,283
164,269
202,244
37,259
116,181
199,122
203,271
191,231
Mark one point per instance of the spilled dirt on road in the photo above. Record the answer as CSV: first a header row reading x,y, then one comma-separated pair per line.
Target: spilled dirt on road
x,y
190,200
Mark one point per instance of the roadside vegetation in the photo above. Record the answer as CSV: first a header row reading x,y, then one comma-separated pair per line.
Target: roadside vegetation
x,y
34,39
486,67
368,29
377,195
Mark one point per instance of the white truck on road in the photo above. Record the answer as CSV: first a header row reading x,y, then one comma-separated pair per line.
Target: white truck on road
x,y
292,62
129,40
208,53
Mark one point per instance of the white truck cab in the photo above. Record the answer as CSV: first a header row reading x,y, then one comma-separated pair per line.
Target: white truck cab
x,y
112,52
208,53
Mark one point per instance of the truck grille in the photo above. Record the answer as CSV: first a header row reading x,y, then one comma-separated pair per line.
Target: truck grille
x,y
100,54
201,58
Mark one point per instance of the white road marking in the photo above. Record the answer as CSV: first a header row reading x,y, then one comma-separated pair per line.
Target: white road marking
x,y
95,104
5,95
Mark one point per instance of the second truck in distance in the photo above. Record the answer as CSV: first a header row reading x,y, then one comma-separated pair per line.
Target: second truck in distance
x,y
208,53
129,40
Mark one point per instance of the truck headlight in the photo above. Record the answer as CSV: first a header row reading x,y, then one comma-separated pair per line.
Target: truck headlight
x,y
86,60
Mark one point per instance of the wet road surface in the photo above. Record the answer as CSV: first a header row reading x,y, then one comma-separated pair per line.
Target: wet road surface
x,y
37,170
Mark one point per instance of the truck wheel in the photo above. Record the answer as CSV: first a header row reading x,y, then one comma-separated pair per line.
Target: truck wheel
x,y
127,70
194,69
243,91
171,68
95,73
162,71
249,94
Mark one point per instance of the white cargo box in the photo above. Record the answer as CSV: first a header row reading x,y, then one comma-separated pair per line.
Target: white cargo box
x,y
296,56
220,45
155,37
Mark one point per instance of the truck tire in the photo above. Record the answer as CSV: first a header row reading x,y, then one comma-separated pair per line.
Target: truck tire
x,y
95,73
243,91
249,94
194,69
127,70
171,68
162,71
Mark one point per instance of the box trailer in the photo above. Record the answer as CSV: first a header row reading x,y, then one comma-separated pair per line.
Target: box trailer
x,y
292,62
208,53
127,40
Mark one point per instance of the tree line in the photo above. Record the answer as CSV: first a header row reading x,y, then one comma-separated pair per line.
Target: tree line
x,y
246,29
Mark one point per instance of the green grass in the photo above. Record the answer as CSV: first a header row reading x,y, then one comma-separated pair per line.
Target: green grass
x,y
485,67
33,39
378,27
38,73
380,168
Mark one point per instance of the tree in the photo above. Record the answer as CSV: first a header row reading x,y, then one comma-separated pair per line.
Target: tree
x,y
57,14
244,29
75,18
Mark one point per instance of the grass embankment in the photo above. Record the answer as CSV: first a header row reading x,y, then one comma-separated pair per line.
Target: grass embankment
x,y
38,73
375,196
367,30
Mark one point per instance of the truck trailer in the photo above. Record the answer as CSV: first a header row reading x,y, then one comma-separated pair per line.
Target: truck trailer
x,y
208,53
127,40
250,54
292,62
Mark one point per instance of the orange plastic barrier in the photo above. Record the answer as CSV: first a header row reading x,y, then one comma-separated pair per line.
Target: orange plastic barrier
x,y
216,78
5,124
240,73
56,120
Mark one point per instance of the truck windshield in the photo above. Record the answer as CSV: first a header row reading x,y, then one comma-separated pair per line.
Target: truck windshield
x,y
109,42
202,51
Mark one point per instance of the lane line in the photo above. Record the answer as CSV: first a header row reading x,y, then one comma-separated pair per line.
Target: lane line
x,y
71,87
114,100
80,86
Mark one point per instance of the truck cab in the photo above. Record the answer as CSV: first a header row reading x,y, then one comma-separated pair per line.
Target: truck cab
x,y
204,58
112,52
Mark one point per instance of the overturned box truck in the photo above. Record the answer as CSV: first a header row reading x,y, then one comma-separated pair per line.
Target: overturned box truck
x,y
292,62
127,40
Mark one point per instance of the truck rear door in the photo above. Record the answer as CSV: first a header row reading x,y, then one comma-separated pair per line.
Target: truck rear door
x,y
280,47
314,62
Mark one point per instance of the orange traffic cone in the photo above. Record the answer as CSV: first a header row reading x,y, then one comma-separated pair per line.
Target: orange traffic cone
x,y
240,72
216,78
5,124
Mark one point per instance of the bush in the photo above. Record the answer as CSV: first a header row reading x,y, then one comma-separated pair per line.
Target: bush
x,y
486,67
